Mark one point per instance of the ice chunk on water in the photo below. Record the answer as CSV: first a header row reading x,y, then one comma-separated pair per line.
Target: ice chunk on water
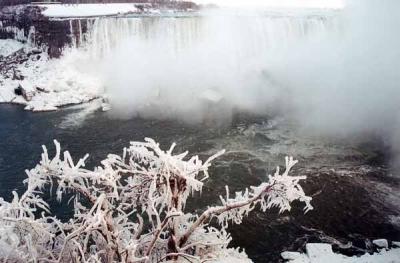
x,y
318,251
382,243
290,255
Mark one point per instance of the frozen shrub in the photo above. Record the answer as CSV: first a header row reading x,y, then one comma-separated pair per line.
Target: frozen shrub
x,y
131,209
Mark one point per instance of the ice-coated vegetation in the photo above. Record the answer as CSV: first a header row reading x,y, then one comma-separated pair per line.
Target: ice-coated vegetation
x,y
131,208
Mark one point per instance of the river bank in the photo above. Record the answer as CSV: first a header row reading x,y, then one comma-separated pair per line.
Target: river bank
x,y
29,77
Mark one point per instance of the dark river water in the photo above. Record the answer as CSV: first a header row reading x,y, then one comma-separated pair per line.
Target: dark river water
x,y
355,195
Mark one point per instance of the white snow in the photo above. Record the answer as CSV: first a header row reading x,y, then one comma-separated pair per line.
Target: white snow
x,y
316,251
9,46
54,82
322,253
86,10
290,255
382,243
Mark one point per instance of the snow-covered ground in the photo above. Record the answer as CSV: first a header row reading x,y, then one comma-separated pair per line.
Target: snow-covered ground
x,y
49,83
9,46
322,253
87,10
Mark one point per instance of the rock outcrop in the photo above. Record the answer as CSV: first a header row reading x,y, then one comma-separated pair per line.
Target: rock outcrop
x,y
27,24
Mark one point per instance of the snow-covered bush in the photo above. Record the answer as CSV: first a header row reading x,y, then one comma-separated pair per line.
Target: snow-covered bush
x,y
131,209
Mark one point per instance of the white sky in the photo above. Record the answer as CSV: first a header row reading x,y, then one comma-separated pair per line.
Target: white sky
x,y
277,3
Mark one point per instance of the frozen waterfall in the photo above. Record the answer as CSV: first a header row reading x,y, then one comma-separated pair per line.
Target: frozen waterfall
x,y
247,34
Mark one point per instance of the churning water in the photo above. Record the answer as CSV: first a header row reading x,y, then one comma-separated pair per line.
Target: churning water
x,y
174,79
342,175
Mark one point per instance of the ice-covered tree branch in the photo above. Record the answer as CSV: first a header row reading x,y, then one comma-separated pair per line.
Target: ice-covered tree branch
x,y
280,191
131,209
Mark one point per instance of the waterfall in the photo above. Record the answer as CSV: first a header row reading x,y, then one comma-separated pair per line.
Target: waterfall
x,y
17,33
72,35
168,66
80,32
251,34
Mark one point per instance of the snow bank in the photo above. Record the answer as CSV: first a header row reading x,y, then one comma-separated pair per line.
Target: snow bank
x,y
317,253
86,10
51,82
9,46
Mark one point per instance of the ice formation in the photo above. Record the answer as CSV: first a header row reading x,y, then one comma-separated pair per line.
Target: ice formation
x,y
50,83
138,62
317,253
113,201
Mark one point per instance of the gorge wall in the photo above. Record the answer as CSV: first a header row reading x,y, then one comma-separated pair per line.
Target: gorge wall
x,y
26,23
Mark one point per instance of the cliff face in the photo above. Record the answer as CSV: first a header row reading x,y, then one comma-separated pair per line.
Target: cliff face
x,y
181,4
26,24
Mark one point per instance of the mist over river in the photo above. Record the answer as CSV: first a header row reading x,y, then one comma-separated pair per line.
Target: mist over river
x,y
354,193
319,85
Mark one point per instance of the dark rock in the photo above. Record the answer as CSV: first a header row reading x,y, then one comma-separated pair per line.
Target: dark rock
x,y
55,35
42,90
21,61
27,94
43,32
18,91
36,51
9,64
17,75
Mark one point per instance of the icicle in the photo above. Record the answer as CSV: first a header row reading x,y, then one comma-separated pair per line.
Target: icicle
x,y
32,36
72,35
80,33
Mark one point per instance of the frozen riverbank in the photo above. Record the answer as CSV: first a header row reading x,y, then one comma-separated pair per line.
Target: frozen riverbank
x,y
323,253
29,77
43,63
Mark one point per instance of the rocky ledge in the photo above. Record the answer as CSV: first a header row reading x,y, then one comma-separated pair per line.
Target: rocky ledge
x,y
29,77
64,24
35,63
317,253
26,23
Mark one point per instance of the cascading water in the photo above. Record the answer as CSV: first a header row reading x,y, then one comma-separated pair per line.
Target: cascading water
x,y
77,35
105,34
161,66
19,33
258,31
225,57
72,35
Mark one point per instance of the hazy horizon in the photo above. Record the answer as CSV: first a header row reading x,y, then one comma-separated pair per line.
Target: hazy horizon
x,y
277,3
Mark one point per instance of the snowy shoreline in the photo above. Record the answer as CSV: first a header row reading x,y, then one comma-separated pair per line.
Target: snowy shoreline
x,y
44,75
317,253
29,77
